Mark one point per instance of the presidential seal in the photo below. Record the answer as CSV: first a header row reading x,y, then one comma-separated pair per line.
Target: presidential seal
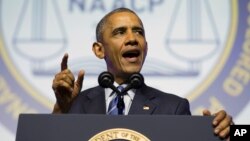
x,y
119,134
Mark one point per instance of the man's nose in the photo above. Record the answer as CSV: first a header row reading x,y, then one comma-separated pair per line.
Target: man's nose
x,y
131,38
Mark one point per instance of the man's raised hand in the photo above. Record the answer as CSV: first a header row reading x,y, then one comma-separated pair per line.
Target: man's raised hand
x,y
65,87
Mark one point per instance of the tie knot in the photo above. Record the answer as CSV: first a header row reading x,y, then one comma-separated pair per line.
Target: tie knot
x,y
120,88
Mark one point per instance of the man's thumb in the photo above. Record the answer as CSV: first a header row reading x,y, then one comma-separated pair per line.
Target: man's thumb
x,y
79,82
206,112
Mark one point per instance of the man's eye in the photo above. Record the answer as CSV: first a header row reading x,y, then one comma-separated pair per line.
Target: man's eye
x,y
139,32
119,32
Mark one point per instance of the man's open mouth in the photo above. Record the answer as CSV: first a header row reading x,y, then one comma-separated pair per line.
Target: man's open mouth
x,y
131,54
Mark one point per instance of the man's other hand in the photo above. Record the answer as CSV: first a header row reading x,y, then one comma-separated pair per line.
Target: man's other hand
x,y
221,123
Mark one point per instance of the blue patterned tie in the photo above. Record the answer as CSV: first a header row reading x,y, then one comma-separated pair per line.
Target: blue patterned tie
x,y
116,105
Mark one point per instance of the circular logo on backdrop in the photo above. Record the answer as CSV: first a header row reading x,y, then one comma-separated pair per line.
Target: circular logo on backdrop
x,y
197,49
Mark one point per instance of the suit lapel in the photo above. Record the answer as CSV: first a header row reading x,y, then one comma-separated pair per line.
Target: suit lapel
x,y
143,102
96,102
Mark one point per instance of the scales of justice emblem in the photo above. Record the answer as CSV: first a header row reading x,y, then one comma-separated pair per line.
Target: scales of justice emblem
x,y
39,34
199,39
192,37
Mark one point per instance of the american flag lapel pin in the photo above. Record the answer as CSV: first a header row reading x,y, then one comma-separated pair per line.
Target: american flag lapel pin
x,y
145,107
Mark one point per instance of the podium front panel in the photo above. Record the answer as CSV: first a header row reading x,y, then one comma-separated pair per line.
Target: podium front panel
x,y
81,127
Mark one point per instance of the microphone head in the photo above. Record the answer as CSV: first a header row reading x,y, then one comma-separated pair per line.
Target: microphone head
x,y
106,79
136,80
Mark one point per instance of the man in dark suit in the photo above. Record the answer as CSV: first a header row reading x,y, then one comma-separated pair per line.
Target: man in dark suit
x,y
122,43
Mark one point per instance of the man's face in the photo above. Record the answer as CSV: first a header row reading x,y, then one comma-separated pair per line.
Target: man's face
x,y
124,43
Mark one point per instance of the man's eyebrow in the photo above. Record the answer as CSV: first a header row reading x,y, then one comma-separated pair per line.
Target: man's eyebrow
x,y
137,28
122,28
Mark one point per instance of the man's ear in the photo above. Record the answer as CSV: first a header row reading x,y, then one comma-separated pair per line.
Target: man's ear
x,y
98,49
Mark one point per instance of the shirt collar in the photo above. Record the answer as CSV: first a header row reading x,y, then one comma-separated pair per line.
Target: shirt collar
x,y
130,93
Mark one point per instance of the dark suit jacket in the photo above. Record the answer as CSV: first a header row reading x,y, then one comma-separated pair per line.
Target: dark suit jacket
x,y
92,101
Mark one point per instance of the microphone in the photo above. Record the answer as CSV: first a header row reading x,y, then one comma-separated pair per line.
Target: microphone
x,y
136,81
106,80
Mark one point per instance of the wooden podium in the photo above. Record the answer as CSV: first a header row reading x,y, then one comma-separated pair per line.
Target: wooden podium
x,y
80,127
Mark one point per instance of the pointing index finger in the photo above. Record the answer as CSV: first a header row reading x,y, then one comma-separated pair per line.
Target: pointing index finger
x,y
64,63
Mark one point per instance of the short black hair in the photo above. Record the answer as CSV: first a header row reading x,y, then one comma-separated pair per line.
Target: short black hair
x,y
103,21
